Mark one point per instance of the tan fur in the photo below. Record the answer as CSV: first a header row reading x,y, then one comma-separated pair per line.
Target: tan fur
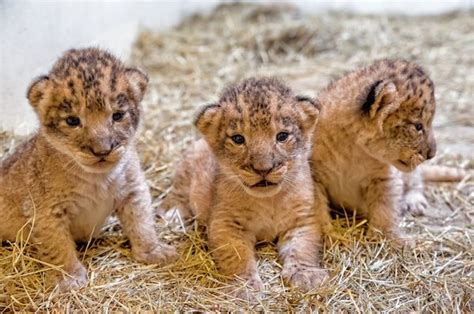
x,y
217,179
367,143
62,184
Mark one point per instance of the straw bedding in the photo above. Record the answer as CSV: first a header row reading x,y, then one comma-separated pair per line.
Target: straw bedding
x,y
188,65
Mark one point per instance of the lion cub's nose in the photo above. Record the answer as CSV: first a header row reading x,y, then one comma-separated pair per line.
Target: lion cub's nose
x,y
431,147
102,149
100,153
431,152
262,170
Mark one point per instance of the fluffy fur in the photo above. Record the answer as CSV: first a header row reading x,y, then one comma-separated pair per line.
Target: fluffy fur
x,y
256,187
62,184
375,129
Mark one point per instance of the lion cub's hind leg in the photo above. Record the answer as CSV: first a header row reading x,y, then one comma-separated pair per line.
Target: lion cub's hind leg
x,y
192,191
12,220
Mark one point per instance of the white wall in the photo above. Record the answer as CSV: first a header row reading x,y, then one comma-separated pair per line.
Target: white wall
x,y
34,33
409,7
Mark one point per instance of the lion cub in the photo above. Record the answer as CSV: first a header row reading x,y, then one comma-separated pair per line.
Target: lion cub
x,y
81,166
249,180
374,129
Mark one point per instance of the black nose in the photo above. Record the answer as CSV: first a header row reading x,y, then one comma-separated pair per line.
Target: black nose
x,y
100,152
431,153
431,145
263,171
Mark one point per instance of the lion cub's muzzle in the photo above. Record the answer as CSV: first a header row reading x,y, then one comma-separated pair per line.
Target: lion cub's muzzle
x,y
264,176
100,157
104,150
259,181
411,162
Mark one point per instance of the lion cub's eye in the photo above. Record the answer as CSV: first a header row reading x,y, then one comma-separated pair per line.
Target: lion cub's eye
x,y
418,126
282,136
73,121
118,116
238,139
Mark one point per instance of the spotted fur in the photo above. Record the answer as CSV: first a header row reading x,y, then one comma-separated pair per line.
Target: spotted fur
x,y
260,190
375,129
62,184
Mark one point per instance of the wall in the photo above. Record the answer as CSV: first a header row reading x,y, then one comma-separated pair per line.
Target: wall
x,y
34,33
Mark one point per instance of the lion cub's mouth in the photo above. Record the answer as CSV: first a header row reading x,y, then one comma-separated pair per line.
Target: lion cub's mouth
x,y
403,163
263,184
406,166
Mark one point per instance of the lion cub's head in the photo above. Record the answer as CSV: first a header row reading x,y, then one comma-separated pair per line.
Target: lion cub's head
x,y
259,130
400,110
88,107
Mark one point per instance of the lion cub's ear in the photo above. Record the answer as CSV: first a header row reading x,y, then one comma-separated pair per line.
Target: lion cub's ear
x,y
138,82
382,100
308,109
208,120
37,89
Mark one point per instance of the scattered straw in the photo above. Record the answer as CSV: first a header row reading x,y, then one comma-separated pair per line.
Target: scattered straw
x,y
188,65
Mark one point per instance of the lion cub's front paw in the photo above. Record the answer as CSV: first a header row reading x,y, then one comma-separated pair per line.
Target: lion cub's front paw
x,y
414,203
255,283
73,280
397,237
248,290
401,240
303,277
162,254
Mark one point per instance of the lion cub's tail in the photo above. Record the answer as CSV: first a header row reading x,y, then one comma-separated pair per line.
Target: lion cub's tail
x,y
445,173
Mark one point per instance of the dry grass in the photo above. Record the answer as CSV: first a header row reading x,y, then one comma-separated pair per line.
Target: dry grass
x,y
188,65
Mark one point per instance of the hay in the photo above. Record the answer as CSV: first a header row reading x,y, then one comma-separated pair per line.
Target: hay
x,y
188,65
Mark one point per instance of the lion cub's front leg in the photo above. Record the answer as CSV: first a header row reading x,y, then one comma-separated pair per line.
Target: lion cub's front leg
x,y
383,197
137,219
233,250
414,200
321,208
299,251
54,245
